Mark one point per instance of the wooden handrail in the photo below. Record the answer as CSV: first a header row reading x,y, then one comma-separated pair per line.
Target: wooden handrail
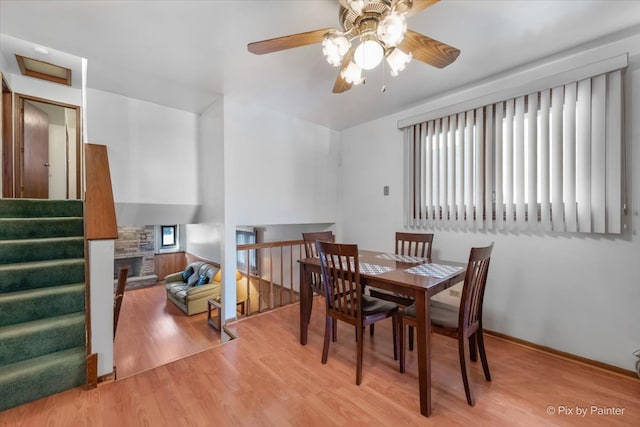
x,y
100,211
269,244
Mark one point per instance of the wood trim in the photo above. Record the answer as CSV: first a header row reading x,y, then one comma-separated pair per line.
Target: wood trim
x,y
278,244
563,355
100,212
92,371
167,263
107,378
66,80
7,140
17,121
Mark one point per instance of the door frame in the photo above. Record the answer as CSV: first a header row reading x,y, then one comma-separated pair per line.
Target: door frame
x,y
7,140
19,142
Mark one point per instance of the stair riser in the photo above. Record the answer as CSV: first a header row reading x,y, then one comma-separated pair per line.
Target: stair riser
x,y
13,229
33,250
26,307
52,375
28,277
40,340
26,208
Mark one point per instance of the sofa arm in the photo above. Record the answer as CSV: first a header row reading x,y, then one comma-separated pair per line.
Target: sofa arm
x,y
173,277
209,288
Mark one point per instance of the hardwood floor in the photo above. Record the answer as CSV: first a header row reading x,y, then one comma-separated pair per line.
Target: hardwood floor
x,y
153,332
266,378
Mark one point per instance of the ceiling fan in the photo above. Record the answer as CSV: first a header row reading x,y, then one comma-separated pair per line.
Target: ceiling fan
x,y
372,30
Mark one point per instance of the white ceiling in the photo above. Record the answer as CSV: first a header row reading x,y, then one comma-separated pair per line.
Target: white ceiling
x,y
185,54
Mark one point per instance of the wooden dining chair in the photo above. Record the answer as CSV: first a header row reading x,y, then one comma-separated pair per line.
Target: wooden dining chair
x,y
311,251
464,322
345,300
123,273
411,244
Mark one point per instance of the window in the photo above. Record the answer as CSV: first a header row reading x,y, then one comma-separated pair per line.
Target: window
x,y
246,237
169,235
548,160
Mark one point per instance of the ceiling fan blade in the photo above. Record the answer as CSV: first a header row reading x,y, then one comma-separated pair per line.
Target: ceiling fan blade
x,y
419,6
288,42
341,85
428,50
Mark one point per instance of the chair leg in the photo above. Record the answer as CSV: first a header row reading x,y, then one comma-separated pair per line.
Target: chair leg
x,y
394,322
372,329
308,319
473,349
463,352
335,331
410,338
360,346
483,355
327,327
401,333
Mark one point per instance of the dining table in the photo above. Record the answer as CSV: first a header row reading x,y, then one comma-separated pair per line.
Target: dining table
x,y
420,278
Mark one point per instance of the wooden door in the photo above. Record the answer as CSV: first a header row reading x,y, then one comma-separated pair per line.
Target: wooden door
x,y
35,167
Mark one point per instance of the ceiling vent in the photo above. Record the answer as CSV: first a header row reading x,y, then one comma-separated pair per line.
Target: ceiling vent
x,y
44,70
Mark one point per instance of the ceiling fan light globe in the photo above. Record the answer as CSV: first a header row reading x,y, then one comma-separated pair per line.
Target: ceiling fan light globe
x,y
352,74
334,47
368,54
392,29
357,5
398,60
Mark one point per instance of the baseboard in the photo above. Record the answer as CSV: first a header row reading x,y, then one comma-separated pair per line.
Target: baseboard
x,y
564,355
107,378
92,371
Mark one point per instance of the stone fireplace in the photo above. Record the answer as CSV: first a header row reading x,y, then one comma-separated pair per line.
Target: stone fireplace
x,y
135,250
133,263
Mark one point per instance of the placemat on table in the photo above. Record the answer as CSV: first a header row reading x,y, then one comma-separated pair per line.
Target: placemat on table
x,y
401,258
434,270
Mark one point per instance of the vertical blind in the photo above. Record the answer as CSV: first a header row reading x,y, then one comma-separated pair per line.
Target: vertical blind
x,y
548,160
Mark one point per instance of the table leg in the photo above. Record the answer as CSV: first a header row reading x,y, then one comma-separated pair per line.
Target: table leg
x,y
423,333
305,302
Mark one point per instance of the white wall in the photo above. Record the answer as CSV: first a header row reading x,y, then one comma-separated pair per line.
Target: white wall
x,y
572,292
278,170
101,279
204,238
45,90
153,156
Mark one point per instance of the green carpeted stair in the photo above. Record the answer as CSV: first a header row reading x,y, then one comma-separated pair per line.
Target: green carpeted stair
x,y
42,299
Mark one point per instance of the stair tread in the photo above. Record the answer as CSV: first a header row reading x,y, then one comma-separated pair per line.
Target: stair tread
x,y
40,292
40,324
43,363
41,264
41,240
40,207
40,218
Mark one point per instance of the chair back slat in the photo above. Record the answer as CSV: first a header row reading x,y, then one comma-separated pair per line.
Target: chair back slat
x,y
473,290
414,244
341,278
310,251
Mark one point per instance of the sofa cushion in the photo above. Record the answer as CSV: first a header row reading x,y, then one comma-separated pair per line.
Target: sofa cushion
x,y
193,279
202,280
186,274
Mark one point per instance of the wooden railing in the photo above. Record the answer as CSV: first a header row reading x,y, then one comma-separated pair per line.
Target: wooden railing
x,y
274,281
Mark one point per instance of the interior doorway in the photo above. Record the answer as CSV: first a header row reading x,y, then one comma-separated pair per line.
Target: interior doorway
x,y
47,159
